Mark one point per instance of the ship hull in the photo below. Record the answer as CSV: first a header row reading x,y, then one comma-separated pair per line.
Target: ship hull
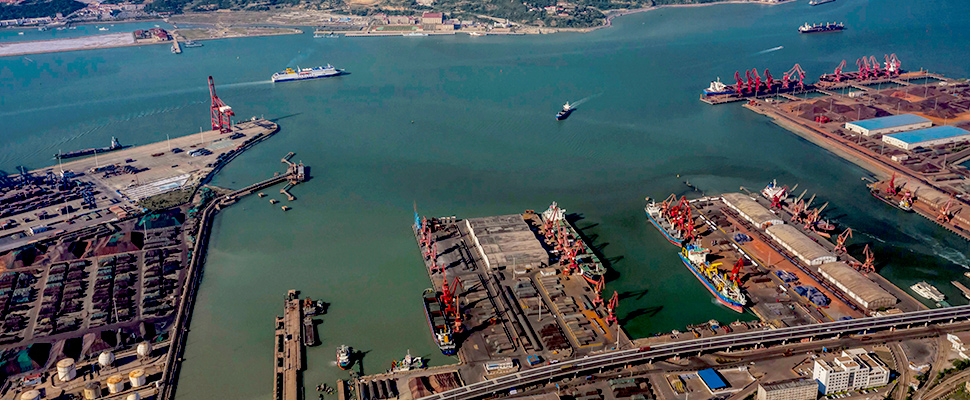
x,y
448,351
671,239
302,78
564,114
87,152
821,30
710,287
716,93
875,193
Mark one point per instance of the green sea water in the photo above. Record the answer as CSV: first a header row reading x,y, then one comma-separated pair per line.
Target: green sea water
x,y
464,126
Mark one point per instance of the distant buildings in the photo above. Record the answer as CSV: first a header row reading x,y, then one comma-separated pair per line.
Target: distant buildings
x,y
960,341
792,389
432,18
890,124
852,370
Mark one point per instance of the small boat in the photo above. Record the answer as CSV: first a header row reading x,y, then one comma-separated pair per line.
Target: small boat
x,y
20,33
189,43
343,357
566,110
407,363
476,34
102,29
415,34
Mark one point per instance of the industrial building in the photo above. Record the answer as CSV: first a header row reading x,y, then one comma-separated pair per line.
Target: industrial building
x,y
506,241
886,125
799,244
752,211
791,389
929,137
852,370
857,286
712,379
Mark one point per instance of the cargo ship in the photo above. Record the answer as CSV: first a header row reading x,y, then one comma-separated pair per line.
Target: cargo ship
x,y
299,74
928,291
344,361
670,232
773,191
440,329
566,110
726,292
905,203
817,28
588,263
309,336
717,88
81,153
818,2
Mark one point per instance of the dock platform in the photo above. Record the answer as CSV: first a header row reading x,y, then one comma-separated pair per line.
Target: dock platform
x,y
287,384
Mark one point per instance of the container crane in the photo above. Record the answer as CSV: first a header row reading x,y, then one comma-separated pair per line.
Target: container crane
x,y
611,309
840,242
220,113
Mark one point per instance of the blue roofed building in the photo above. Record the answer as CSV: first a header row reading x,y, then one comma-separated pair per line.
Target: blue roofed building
x,y
712,379
930,137
890,124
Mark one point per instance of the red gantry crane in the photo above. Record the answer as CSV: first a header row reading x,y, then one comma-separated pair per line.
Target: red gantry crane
x,y
768,80
220,113
757,79
945,214
875,66
869,264
863,65
598,288
740,84
736,271
838,71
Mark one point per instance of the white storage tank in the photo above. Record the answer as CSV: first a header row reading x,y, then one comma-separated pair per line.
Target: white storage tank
x,y
66,369
106,358
134,396
144,349
137,378
92,391
116,384
30,395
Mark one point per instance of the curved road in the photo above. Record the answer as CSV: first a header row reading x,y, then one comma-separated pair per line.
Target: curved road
x,y
723,342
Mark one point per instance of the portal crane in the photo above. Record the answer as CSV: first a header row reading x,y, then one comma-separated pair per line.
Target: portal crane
x,y
740,84
611,309
748,81
838,71
790,76
757,79
945,214
768,80
220,113
892,65
869,264
875,66
840,242
863,65
736,271
598,289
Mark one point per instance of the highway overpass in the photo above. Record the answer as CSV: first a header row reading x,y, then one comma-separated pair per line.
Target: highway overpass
x,y
618,358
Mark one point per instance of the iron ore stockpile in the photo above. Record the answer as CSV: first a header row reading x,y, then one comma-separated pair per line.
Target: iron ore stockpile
x,y
773,248
912,129
507,292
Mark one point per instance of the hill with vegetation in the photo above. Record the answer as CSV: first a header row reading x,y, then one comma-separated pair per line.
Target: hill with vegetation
x,y
39,9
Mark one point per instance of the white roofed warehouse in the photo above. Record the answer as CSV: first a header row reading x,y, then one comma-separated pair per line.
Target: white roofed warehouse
x,y
927,137
857,286
890,124
750,210
799,244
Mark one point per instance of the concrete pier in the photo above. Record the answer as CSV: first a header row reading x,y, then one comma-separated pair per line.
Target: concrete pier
x,y
289,350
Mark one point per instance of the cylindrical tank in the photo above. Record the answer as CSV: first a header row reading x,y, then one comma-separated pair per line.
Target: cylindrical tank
x,y
133,396
137,378
116,384
92,391
106,358
144,349
66,369
30,395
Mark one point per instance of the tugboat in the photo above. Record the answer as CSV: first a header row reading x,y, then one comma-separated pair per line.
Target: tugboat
x,y
407,364
566,110
343,357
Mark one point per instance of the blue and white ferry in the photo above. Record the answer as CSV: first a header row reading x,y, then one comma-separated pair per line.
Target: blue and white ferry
x,y
298,74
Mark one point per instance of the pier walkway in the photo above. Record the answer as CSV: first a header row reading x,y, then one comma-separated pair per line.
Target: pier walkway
x,y
289,350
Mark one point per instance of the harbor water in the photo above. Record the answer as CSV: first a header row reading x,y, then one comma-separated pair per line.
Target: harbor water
x,y
465,126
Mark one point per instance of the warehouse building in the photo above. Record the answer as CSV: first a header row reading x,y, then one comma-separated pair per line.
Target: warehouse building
x,y
506,241
792,389
750,210
890,124
857,286
799,244
930,137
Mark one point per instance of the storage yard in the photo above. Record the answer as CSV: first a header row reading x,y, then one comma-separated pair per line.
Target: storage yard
x,y
889,121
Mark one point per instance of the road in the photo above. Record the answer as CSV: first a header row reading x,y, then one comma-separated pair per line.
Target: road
x,y
946,386
723,342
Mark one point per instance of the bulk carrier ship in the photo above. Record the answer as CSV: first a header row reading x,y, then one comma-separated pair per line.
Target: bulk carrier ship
x,y
817,28
670,232
726,292
81,153
440,328
589,264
